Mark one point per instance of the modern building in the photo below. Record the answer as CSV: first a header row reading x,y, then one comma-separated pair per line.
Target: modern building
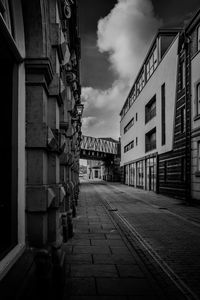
x,y
153,120
41,134
192,36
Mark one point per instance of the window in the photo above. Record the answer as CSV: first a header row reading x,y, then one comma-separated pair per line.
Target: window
x,y
183,169
198,38
126,174
131,174
136,141
136,117
129,146
140,82
150,140
165,171
163,114
129,125
139,174
150,109
152,63
198,156
183,119
198,99
182,75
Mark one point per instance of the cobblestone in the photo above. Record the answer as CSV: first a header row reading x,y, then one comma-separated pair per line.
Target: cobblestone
x,y
103,265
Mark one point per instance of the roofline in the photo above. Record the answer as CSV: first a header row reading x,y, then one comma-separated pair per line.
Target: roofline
x,y
193,21
160,31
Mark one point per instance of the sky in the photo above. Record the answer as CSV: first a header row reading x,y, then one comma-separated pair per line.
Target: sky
x,y
115,37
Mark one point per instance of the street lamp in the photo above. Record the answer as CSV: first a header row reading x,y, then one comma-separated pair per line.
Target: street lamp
x,y
79,108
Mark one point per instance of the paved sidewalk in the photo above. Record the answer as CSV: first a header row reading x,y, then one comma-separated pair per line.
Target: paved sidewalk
x,y
99,262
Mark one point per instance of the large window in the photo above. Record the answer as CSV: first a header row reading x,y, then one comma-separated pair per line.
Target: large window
x,y
129,146
131,174
152,63
198,99
126,174
182,75
140,174
150,109
150,140
198,156
198,38
183,119
151,173
129,125
163,114
140,82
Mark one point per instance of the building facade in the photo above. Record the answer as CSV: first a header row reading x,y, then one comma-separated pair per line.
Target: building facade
x,y
40,85
192,35
94,169
160,129
146,125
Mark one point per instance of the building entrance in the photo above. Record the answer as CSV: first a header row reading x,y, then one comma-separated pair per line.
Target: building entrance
x,y
151,174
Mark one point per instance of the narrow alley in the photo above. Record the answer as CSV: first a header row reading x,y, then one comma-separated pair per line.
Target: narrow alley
x,y
132,244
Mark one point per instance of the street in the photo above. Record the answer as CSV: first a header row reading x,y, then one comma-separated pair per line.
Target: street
x,y
164,231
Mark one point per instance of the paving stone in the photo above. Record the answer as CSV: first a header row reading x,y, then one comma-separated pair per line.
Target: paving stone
x,y
95,226
68,248
79,286
113,243
147,297
99,230
91,249
108,226
119,250
123,286
81,230
113,236
79,259
114,259
98,298
130,271
82,242
98,236
93,271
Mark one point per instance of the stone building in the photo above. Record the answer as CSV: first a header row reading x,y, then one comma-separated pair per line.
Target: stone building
x,y
40,143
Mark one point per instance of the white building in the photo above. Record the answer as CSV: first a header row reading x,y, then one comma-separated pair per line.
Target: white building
x,y
193,32
148,115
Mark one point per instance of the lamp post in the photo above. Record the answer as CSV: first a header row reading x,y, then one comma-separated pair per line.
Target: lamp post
x,y
79,108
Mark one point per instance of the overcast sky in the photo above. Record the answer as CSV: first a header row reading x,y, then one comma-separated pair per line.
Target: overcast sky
x,y
115,36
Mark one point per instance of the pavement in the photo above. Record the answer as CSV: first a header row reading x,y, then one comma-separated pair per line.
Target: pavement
x,y
101,262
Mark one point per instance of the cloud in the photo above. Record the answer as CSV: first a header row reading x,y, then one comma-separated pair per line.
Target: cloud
x,y
125,34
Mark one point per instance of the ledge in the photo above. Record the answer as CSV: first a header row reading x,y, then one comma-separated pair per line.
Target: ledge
x,y
196,118
197,173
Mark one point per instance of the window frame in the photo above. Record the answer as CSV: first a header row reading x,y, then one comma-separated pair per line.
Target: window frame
x,y
149,112
198,38
147,143
198,156
182,75
183,118
197,88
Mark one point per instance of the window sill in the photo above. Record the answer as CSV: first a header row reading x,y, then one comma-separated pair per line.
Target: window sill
x,y
197,173
197,117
